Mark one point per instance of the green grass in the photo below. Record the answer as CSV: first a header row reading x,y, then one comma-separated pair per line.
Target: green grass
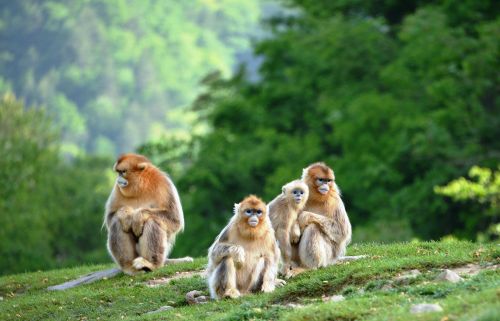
x,y
363,283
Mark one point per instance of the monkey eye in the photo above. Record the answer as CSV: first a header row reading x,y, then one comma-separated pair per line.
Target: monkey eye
x,y
248,212
301,192
259,212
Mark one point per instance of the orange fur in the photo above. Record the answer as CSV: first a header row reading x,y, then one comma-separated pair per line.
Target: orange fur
x,y
324,218
243,258
149,196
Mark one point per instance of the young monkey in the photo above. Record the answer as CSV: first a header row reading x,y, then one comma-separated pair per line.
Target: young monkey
x,y
244,257
283,211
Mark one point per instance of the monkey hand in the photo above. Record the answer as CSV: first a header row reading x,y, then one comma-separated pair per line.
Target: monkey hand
x,y
124,215
295,233
280,282
268,287
238,255
138,219
303,221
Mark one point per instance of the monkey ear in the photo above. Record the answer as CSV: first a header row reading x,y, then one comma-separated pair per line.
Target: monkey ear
x,y
236,208
142,166
114,166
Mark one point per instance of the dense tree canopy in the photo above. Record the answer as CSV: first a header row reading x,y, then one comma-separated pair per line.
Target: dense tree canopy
x,y
396,100
399,97
115,74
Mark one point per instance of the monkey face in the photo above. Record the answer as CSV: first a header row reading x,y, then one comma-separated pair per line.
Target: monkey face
x,y
298,195
129,167
320,178
297,192
324,184
253,216
121,180
252,211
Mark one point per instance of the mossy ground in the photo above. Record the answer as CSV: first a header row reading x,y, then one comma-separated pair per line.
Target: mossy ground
x,y
363,283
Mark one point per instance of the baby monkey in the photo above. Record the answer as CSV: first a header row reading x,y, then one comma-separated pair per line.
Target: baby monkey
x,y
283,211
244,257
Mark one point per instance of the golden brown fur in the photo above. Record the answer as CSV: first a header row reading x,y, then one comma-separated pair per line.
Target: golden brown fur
x,y
143,215
244,258
325,226
283,212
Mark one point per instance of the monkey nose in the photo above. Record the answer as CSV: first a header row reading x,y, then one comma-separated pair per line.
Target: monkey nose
x,y
253,221
122,181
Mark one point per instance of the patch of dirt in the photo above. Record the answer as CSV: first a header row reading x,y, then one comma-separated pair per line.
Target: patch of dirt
x,y
178,275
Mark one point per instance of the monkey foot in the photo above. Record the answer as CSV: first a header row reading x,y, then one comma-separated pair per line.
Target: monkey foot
x,y
232,293
129,270
141,263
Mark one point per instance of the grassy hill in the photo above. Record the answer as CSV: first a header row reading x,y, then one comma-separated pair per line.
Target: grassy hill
x,y
374,288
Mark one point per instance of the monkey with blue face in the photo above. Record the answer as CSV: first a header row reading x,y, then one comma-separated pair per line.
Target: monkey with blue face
x,y
244,257
284,211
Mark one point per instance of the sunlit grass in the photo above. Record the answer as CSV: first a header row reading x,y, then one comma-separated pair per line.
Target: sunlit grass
x,y
363,283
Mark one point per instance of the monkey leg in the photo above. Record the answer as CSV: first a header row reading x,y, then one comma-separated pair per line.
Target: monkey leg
x,y
121,246
338,250
222,281
257,276
152,247
314,249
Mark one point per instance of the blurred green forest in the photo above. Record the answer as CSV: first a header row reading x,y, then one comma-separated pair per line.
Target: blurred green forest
x,y
116,73
399,97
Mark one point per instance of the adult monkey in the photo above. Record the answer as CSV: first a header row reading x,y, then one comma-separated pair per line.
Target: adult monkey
x,y
143,215
325,226
244,257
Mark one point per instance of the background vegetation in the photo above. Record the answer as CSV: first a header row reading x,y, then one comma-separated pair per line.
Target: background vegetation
x,y
399,98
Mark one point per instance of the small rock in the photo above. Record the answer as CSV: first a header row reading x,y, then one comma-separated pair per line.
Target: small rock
x,y
449,276
425,307
336,298
196,297
387,287
1,298
406,277
163,308
294,305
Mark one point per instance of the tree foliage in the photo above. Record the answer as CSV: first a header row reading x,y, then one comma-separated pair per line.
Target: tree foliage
x,y
398,97
51,210
483,187
396,101
114,73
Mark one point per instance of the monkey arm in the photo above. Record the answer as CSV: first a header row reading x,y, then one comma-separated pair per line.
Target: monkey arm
x,y
221,250
169,219
283,238
125,217
326,224
295,233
